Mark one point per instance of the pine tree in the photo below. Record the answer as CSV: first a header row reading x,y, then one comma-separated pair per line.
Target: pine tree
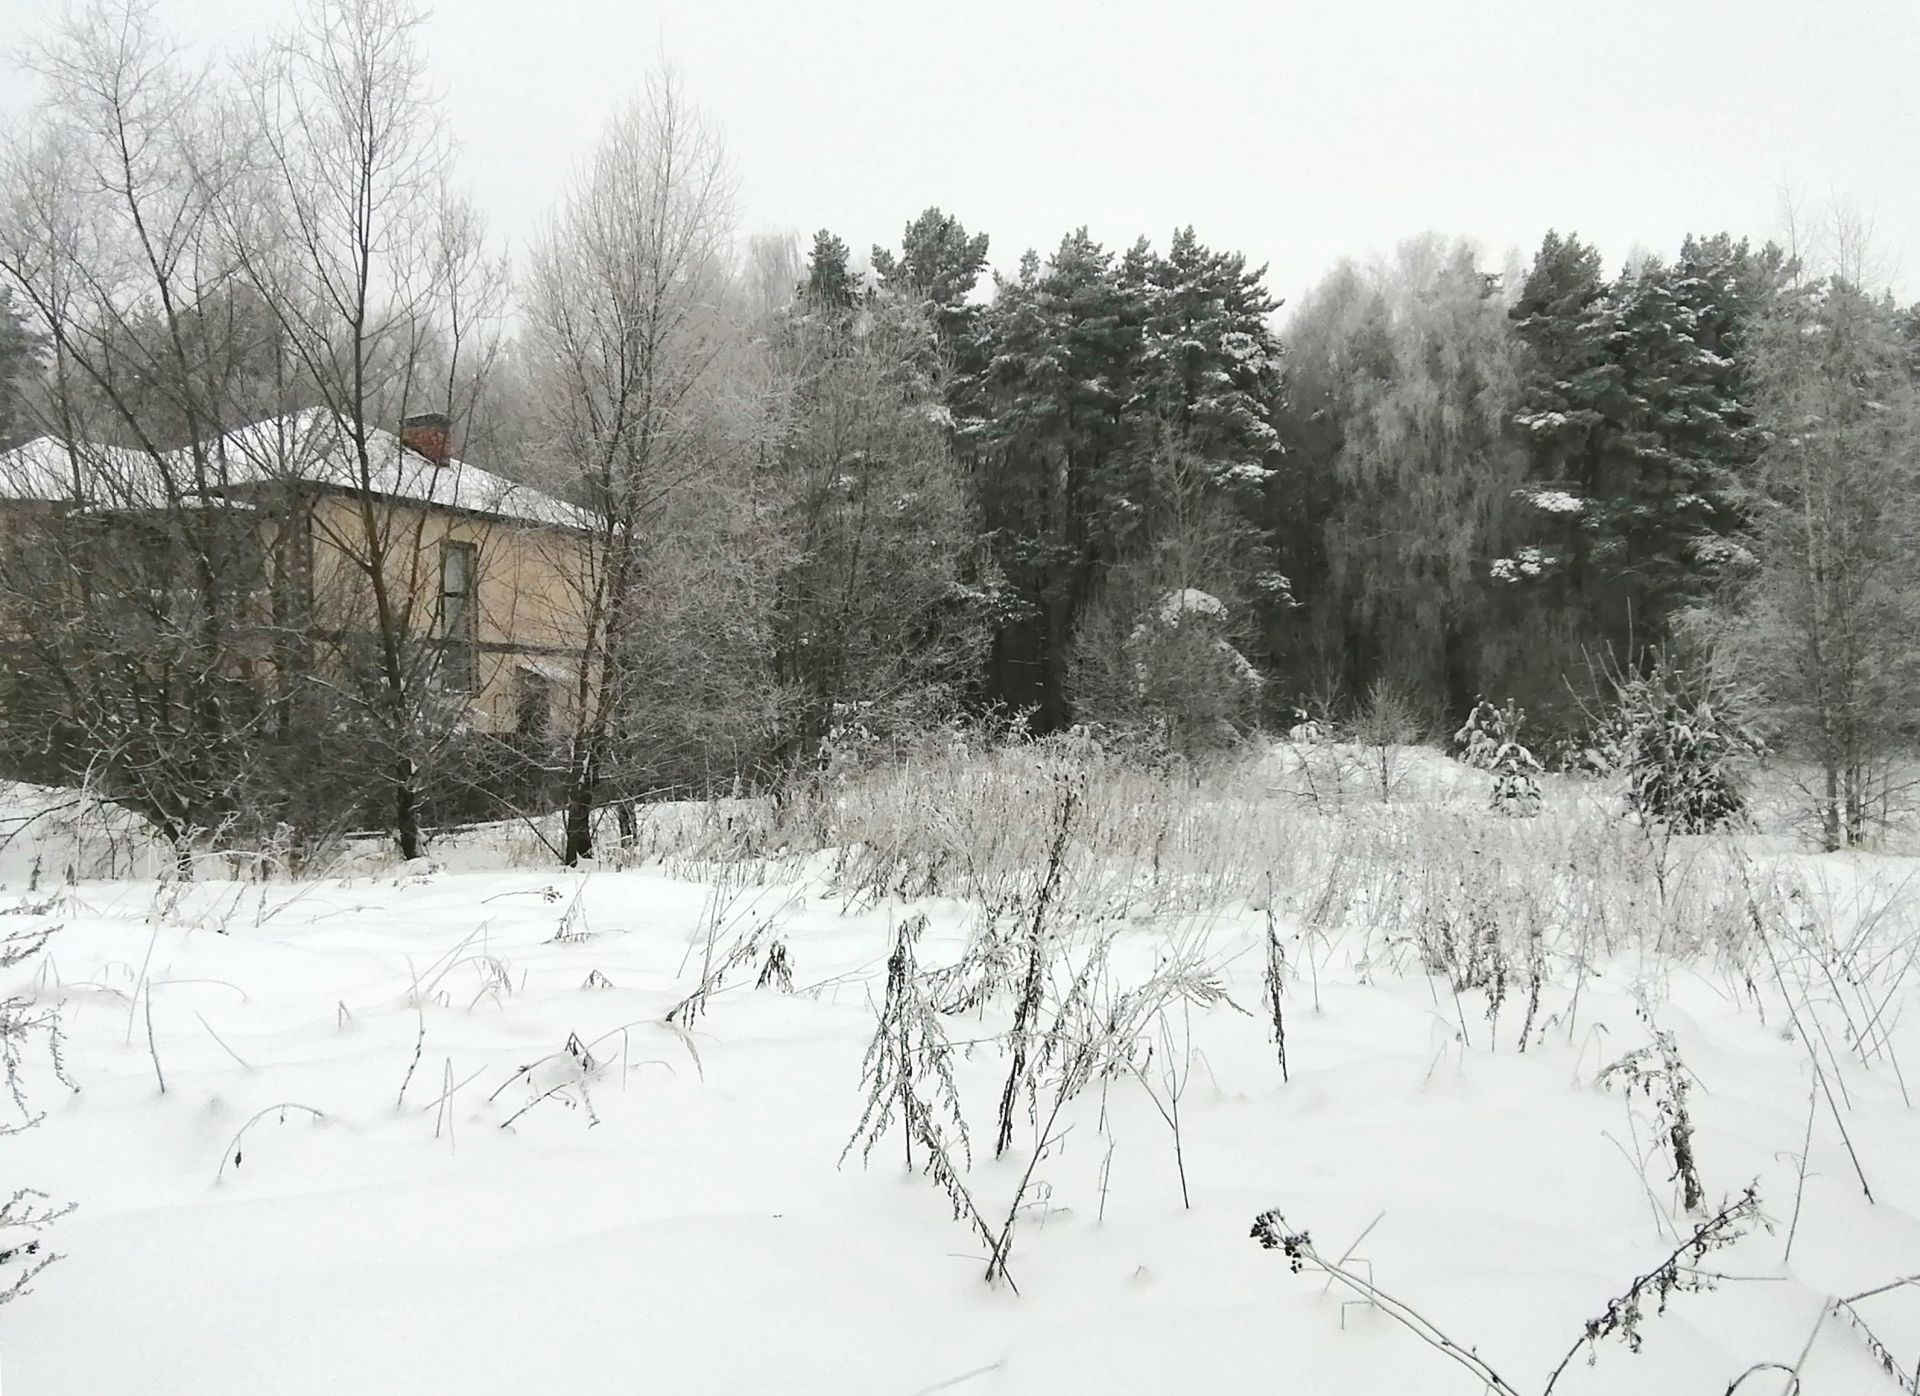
x,y
1562,315
1639,430
1207,366
1043,422
829,283
939,265
1120,413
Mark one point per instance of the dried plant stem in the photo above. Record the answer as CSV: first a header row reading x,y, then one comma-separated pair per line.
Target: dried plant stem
x,y
140,984
419,1042
215,1036
232,1155
1800,1031
445,1114
1028,1008
1276,983
153,1049
1800,1183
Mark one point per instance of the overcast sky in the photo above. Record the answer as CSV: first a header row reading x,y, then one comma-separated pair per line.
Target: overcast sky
x,y
1296,132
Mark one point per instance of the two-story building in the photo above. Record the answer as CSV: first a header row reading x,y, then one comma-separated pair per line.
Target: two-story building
x,y
338,536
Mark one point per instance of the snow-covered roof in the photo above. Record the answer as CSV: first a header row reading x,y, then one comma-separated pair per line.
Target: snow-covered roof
x,y
46,469
311,447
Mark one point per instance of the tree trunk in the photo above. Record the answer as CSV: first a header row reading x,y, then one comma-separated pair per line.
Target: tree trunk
x,y
406,809
582,778
1830,808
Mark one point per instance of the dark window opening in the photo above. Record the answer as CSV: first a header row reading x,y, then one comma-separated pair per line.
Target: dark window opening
x,y
456,617
533,707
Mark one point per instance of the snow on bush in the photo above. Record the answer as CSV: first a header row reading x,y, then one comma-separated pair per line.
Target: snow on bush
x,y
1489,741
1680,748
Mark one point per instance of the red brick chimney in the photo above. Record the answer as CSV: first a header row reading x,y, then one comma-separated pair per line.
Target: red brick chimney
x,y
430,434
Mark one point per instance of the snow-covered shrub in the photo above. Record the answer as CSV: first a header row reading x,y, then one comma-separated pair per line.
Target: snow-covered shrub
x,y
1594,752
1489,741
1680,748
869,733
1167,673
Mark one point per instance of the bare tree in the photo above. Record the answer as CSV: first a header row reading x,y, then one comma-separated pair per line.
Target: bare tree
x,y
1824,626
144,592
387,298
628,313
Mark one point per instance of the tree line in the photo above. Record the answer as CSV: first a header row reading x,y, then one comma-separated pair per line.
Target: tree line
x,y
837,499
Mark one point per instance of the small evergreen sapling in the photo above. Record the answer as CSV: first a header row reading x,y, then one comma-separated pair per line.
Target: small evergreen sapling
x,y
1679,746
1489,741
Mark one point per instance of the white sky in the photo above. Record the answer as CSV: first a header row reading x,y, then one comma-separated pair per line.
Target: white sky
x,y
1294,130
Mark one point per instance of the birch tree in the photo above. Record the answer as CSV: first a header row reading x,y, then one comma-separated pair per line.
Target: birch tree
x,y
1825,625
627,325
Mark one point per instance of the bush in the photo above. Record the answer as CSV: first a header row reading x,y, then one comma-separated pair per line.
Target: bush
x,y
1489,741
1168,672
1680,747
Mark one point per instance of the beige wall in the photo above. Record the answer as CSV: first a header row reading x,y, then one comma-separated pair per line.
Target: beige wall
x,y
528,613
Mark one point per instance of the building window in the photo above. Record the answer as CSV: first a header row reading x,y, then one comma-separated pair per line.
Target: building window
x,y
456,619
533,707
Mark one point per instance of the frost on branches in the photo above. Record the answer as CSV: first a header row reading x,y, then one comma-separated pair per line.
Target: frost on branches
x,y
1188,678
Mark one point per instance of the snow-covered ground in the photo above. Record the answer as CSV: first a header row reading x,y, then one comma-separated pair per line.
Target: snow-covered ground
x,y
670,1211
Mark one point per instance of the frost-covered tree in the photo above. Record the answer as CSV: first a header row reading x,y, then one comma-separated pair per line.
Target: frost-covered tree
x,y
627,329
1413,374
871,616
20,357
1826,626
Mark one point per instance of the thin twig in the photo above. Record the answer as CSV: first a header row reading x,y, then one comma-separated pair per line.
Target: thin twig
x,y
214,1035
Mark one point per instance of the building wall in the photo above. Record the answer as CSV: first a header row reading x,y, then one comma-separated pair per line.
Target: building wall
x,y
528,616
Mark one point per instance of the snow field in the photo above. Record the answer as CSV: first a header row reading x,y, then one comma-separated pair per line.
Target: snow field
x,y
674,1215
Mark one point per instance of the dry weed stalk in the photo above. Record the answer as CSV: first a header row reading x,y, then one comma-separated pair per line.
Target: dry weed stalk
x,y
1027,1008
1657,1072
1678,1273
